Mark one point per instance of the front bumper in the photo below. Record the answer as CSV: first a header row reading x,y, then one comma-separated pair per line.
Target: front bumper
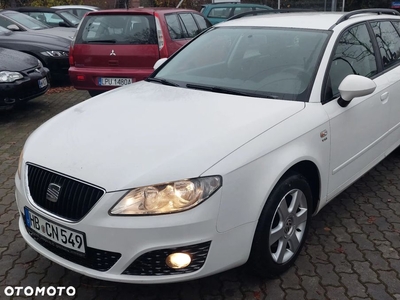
x,y
24,89
135,247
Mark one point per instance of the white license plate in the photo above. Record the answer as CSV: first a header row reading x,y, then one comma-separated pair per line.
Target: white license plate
x,y
60,235
42,82
107,81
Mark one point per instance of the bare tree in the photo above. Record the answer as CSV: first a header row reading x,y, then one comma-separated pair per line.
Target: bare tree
x,y
121,4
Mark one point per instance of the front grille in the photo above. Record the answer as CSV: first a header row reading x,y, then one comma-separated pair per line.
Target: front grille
x,y
153,263
96,259
74,200
32,70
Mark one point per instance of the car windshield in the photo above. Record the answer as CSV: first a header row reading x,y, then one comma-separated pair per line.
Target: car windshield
x,y
70,17
262,62
119,29
27,21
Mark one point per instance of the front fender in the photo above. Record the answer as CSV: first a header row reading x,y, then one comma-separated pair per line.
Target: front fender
x,y
251,172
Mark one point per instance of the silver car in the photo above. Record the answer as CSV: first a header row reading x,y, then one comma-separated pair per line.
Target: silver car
x,y
17,21
77,10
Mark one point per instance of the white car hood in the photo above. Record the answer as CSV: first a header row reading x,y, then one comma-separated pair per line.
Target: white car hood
x,y
148,133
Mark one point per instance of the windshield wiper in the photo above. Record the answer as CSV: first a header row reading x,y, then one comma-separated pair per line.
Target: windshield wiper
x,y
102,41
224,90
162,81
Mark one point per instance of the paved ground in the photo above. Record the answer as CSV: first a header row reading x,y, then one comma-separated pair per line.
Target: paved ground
x,y
352,251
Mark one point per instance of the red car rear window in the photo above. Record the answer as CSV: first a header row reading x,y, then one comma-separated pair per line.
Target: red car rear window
x,y
118,29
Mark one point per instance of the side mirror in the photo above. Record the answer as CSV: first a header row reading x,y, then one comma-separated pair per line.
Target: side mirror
x,y
354,86
159,63
13,27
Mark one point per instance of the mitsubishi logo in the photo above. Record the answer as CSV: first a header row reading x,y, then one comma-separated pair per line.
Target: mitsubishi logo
x,y
53,191
112,53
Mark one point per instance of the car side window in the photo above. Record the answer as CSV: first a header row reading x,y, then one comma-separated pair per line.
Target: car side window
x,y
219,12
174,26
4,22
52,19
38,16
239,10
80,12
354,54
201,21
388,42
190,25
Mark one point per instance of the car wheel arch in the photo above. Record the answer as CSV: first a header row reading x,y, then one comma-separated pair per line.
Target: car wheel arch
x,y
310,171
272,239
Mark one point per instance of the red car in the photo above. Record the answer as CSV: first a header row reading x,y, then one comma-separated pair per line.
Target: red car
x,y
117,47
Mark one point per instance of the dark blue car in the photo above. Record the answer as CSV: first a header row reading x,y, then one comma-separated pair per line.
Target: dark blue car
x,y
22,77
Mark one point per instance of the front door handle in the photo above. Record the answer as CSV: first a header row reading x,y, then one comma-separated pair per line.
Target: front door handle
x,y
385,97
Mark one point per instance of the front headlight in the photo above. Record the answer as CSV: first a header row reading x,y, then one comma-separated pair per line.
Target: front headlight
x,y
55,53
6,76
40,65
167,197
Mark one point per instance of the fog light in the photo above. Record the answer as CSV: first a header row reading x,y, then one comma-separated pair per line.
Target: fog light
x,y
9,100
178,260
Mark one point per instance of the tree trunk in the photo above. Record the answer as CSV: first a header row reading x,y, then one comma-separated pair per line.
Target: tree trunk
x,y
121,3
147,3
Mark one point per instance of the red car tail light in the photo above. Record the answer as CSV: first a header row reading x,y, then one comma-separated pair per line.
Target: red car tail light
x,y
161,42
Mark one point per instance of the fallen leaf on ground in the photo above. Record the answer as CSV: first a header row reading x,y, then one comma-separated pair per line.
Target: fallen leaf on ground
x,y
60,89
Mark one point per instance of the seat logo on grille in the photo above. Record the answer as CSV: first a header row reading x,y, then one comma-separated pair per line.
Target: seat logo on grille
x,y
53,191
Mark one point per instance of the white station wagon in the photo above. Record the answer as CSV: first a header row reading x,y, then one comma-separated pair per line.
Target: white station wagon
x,y
222,155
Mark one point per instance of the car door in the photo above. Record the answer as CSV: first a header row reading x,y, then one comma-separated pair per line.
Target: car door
x,y
388,41
182,27
177,34
357,131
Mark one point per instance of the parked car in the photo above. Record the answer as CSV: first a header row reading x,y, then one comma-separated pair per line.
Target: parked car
x,y
222,155
77,10
22,77
220,12
50,16
52,51
17,21
117,47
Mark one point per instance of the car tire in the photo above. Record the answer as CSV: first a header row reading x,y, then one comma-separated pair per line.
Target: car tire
x,y
94,93
282,228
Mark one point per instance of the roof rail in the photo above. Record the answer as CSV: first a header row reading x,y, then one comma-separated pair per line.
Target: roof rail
x,y
379,11
268,11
